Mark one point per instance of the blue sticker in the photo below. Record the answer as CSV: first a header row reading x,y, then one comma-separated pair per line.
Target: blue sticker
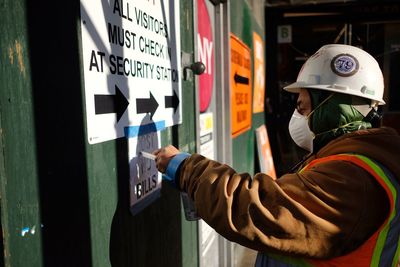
x,y
344,65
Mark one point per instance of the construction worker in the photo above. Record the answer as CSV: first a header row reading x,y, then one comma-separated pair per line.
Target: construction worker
x,y
340,207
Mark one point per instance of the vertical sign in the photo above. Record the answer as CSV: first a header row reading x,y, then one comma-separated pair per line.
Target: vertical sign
x,y
131,61
145,180
206,135
240,86
205,54
259,80
264,152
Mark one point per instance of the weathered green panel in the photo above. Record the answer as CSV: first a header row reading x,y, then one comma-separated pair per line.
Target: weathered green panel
x,y
187,135
258,118
243,25
20,212
59,129
103,171
72,197
159,235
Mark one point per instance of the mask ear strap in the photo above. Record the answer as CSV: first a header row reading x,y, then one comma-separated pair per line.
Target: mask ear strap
x,y
320,104
340,127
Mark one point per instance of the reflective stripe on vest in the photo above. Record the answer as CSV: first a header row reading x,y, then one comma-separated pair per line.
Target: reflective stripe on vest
x,y
383,247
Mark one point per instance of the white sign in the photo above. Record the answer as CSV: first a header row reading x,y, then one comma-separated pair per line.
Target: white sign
x,y
131,60
145,180
206,135
284,34
264,152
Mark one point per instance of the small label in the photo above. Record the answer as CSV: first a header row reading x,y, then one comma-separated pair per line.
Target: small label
x,y
344,65
367,91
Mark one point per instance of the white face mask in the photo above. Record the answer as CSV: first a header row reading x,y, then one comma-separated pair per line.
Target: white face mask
x,y
300,131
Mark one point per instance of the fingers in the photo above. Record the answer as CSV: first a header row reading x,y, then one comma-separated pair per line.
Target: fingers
x,y
156,152
160,167
163,157
160,154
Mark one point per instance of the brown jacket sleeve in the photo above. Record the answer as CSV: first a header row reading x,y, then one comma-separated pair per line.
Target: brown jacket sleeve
x,y
320,213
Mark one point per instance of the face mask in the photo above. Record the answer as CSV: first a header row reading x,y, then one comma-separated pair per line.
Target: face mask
x,y
300,131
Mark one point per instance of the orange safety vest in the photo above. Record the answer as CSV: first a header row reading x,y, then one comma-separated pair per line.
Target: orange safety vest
x,y
382,248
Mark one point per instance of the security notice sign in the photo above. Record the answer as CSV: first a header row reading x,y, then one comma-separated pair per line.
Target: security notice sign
x,y
145,180
131,59
240,86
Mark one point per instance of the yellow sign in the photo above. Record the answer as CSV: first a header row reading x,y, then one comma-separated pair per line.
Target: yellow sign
x,y
240,87
259,76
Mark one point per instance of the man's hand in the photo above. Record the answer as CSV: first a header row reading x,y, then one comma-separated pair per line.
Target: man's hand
x,y
163,156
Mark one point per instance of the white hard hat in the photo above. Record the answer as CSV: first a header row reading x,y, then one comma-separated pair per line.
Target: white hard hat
x,y
344,69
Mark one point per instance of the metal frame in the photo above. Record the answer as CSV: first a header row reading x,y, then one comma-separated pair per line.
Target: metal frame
x,y
224,153
224,139
223,127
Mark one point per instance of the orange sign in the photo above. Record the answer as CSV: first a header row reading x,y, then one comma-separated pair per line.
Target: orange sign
x,y
264,152
259,80
240,87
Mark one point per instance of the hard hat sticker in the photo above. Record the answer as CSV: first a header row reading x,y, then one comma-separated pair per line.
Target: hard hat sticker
x,y
344,65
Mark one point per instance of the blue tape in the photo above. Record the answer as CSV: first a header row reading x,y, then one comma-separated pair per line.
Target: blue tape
x,y
134,131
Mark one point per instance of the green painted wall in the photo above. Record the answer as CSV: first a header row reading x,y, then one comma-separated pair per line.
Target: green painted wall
x,y
65,202
243,25
20,212
45,161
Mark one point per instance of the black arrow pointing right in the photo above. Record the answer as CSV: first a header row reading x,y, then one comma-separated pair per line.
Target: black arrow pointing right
x,y
104,104
172,101
146,105
241,79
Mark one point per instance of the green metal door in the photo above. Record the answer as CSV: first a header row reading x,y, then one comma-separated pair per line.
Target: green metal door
x,y
65,202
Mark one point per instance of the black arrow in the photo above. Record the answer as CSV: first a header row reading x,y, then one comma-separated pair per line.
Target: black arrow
x,y
241,79
146,105
172,101
104,104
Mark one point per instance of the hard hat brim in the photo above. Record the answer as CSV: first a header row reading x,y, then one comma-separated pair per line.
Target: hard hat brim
x,y
296,86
